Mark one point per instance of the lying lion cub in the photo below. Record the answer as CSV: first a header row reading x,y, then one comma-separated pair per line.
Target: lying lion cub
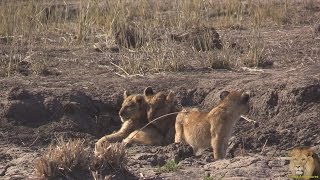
x,y
160,132
135,113
204,129
304,162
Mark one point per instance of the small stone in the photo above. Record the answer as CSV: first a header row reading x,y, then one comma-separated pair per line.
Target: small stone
x,y
207,174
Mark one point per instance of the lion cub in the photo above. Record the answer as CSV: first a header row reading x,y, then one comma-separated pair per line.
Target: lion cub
x,y
159,104
304,162
135,112
204,129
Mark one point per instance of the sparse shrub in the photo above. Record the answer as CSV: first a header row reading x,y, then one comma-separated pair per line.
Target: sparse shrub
x,y
220,64
208,178
129,36
200,38
65,159
215,177
170,166
72,160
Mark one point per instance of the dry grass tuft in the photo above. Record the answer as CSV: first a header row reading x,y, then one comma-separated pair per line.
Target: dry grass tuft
x,y
72,160
66,159
200,38
110,158
129,36
170,166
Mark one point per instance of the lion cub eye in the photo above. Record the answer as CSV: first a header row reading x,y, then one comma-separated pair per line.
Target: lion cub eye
x,y
303,159
131,105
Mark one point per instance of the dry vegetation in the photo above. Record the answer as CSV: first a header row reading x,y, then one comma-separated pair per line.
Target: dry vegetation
x,y
72,159
108,159
65,159
143,29
136,37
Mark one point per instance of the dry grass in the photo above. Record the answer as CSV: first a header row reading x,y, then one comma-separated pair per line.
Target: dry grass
x,y
66,159
170,166
109,159
71,159
143,25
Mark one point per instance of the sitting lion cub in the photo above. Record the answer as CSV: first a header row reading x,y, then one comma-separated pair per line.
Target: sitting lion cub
x,y
304,162
204,129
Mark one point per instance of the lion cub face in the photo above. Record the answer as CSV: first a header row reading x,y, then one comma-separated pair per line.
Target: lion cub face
x,y
133,107
160,104
235,100
302,162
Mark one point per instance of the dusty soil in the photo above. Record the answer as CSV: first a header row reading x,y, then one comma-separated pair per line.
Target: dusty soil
x,y
79,95
285,103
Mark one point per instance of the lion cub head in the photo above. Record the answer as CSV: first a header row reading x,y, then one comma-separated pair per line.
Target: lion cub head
x,y
146,106
237,101
159,104
133,107
303,161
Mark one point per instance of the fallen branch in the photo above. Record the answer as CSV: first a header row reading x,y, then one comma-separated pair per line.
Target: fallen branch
x,y
128,76
34,141
252,69
120,68
264,145
247,119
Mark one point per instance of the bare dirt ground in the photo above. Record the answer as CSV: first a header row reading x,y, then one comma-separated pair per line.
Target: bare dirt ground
x,y
79,94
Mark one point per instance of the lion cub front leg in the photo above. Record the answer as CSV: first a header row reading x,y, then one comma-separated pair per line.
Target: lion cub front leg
x,y
179,131
125,130
218,146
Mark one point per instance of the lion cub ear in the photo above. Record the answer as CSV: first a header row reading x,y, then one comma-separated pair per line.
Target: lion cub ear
x,y
125,94
245,96
170,96
224,94
148,91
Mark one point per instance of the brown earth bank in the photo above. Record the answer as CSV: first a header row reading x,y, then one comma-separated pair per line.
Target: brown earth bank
x,y
285,103
63,74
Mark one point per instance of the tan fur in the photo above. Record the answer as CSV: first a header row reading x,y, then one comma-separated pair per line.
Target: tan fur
x,y
160,132
132,114
135,112
159,105
304,162
213,129
147,136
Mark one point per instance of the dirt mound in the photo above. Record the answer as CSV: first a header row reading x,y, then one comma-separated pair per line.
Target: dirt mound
x,y
201,38
48,112
285,105
286,108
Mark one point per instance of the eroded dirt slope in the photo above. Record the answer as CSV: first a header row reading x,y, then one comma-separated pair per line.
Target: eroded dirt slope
x,y
285,104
